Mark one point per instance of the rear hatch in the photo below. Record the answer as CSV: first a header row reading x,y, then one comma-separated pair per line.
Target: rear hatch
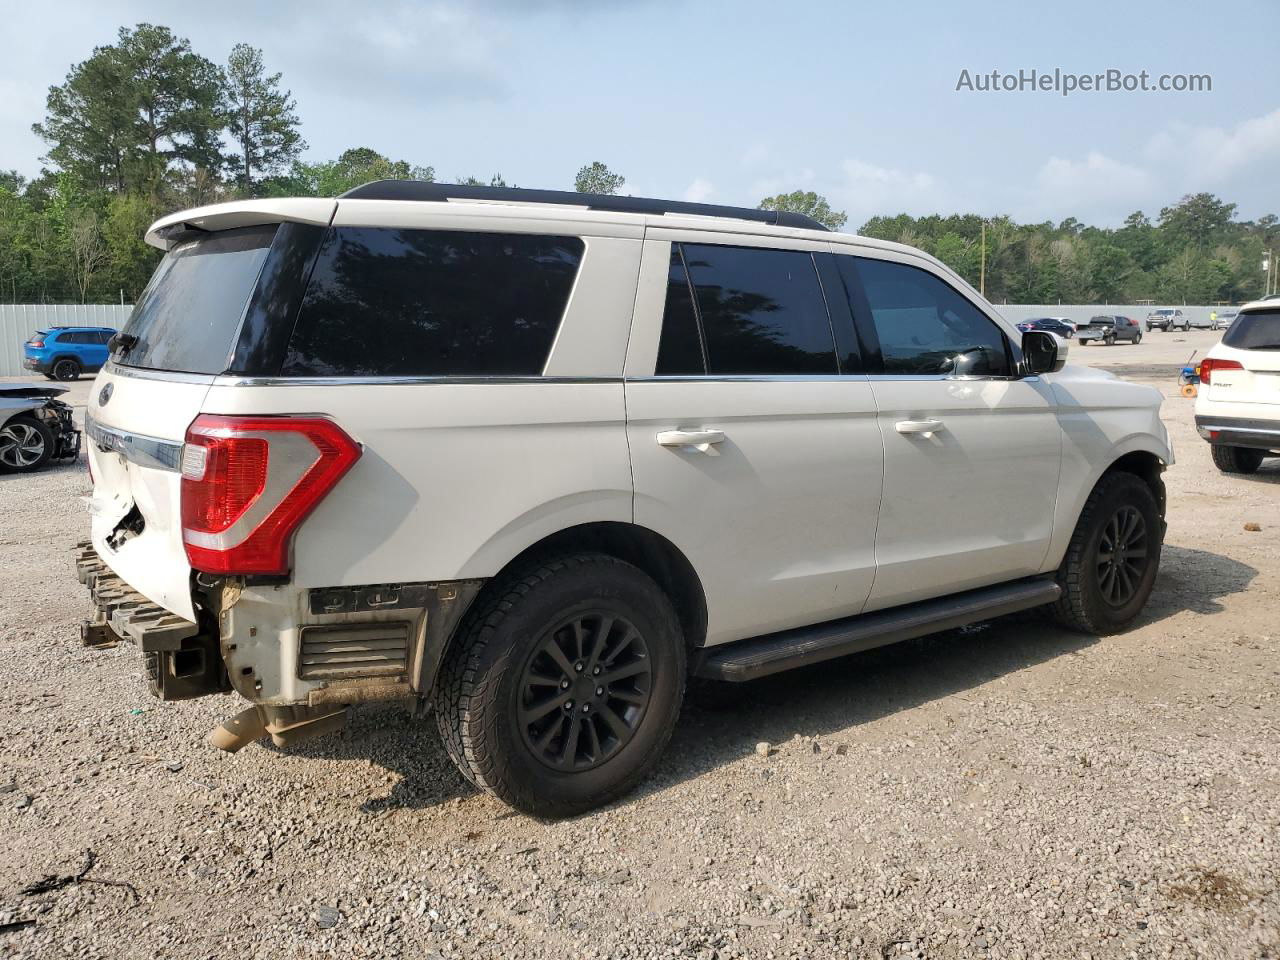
x,y
180,336
1254,343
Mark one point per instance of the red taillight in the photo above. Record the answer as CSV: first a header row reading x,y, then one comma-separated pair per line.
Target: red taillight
x,y
248,482
35,343
1210,364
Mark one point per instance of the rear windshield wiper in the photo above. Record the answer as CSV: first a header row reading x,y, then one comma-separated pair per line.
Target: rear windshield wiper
x,y
121,343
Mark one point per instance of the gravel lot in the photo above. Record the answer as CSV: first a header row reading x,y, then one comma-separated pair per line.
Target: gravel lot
x,y
1011,790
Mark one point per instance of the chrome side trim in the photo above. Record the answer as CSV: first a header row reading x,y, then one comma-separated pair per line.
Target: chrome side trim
x,y
170,376
237,381
135,447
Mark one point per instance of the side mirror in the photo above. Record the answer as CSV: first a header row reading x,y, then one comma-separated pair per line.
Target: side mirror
x,y
1043,352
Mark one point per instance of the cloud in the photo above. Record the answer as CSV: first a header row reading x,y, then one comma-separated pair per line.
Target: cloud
x,y
1213,155
1097,187
699,191
864,190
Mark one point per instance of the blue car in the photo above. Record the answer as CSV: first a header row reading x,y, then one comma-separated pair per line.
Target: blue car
x,y
63,353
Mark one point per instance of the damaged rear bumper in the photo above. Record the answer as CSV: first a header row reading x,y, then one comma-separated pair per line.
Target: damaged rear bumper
x,y
182,660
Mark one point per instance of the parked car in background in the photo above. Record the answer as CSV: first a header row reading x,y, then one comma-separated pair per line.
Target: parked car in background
x,y
1109,329
1059,325
1238,406
1166,319
35,427
534,461
1212,320
63,353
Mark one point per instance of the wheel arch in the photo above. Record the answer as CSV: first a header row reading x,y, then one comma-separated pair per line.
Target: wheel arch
x,y
651,552
1145,465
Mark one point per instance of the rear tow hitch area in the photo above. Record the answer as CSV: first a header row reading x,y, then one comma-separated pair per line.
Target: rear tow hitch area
x,y
182,660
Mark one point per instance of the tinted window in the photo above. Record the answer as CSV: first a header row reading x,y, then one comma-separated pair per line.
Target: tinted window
x,y
188,316
432,303
762,311
927,327
680,349
103,337
1254,331
71,338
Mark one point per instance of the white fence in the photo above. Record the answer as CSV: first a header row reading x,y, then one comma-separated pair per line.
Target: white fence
x,y
18,321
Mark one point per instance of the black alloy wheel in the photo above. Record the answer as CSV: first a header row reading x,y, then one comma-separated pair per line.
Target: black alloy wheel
x,y
1122,556
584,691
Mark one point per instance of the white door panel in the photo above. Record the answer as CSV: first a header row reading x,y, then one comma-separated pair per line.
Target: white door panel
x,y
971,480
773,498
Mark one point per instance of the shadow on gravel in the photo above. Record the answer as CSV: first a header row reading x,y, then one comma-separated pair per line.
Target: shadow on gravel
x,y
1194,580
722,722
387,736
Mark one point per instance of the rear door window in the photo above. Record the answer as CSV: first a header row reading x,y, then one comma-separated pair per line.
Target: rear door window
x,y
680,349
188,317
926,326
757,311
1254,330
391,302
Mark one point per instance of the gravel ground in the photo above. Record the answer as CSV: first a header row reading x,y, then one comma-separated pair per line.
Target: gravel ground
x,y
1011,790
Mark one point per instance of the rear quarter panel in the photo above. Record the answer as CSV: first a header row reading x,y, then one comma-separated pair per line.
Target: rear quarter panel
x,y
455,478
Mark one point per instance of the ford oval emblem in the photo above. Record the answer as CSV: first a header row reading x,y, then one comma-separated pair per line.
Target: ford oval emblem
x,y
104,395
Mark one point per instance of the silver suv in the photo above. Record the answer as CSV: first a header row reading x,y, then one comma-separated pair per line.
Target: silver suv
x,y
537,458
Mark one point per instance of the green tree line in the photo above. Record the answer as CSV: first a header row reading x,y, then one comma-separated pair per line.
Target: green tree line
x,y
146,126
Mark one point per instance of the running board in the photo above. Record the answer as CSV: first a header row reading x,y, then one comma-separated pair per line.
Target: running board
x,y
761,656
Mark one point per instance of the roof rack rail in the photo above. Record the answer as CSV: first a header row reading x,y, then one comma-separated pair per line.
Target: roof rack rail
x,y
422,190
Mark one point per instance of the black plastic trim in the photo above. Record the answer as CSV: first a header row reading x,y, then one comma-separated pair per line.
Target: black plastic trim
x,y
268,321
762,656
438,192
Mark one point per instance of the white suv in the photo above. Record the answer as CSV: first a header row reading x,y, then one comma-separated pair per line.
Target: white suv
x,y
534,458
1238,406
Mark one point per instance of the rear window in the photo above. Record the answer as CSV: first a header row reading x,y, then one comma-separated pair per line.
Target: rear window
x,y
389,302
1254,331
749,310
189,315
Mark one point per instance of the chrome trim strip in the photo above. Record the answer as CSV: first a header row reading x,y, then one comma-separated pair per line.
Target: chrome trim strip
x,y
754,378
239,381
137,448
232,380
142,373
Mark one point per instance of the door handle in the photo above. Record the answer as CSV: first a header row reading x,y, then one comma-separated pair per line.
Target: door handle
x,y
924,428
703,441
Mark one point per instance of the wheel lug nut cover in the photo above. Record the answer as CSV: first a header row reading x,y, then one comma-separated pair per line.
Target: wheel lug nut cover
x,y
599,691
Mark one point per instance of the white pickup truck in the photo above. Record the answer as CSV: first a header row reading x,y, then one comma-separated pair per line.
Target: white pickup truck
x,y
536,458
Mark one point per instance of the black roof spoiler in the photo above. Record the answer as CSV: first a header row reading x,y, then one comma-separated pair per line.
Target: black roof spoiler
x,y
421,190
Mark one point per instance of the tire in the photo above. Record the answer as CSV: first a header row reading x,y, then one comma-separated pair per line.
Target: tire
x,y
1095,599
66,369
26,444
562,762
1236,459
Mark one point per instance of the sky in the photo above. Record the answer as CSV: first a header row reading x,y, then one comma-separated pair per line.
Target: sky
x,y
729,102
